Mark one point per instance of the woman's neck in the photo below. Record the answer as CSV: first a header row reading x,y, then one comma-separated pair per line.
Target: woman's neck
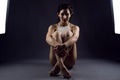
x,y
63,23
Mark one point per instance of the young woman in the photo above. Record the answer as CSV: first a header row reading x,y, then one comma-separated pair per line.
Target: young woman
x,y
62,38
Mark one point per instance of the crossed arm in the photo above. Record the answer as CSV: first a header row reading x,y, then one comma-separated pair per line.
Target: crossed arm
x,y
51,41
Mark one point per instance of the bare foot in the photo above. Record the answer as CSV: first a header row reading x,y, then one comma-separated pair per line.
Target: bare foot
x,y
65,72
54,71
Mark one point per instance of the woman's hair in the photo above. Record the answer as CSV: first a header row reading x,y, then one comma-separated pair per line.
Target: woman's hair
x,y
65,6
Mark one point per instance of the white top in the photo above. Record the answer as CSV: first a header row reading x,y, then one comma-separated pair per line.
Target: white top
x,y
63,29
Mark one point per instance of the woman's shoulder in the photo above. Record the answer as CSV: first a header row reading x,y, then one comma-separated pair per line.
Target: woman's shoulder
x,y
53,26
75,28
74,25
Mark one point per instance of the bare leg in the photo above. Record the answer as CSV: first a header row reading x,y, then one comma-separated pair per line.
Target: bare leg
x,y
63,69
69,50
71,57
55,62
59,65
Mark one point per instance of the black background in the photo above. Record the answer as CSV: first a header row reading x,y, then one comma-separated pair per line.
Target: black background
x,y
28,21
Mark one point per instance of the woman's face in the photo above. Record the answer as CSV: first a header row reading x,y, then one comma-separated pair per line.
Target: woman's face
x,y
64,15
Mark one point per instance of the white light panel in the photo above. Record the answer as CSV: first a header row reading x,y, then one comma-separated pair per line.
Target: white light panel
x,y
116,9
3,10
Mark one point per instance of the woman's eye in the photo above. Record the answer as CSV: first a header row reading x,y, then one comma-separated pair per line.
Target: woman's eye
x,y
66,14
62,14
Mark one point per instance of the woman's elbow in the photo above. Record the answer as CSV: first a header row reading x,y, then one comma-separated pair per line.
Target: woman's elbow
x,y
75,39
47,40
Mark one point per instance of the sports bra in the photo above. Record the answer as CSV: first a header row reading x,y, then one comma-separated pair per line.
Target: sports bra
x,y
63,29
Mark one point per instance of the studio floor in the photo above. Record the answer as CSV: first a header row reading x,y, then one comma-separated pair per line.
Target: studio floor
x,y
85,69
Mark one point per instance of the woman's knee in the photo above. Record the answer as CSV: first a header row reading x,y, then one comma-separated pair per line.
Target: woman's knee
x,y
69,34
54,35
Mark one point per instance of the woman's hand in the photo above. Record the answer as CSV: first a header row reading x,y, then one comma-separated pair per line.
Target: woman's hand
x,y
60,50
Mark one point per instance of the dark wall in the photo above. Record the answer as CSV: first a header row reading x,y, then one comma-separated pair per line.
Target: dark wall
x,y
28,21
